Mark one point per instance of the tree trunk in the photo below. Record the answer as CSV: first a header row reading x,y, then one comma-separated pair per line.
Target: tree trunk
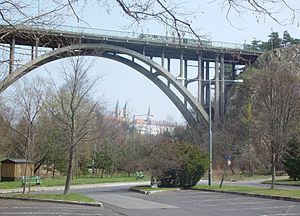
x,y
69,172
273,170
53,171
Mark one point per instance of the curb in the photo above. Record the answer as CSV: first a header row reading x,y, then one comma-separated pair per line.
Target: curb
x,y
152,192
96,204
254,195
279,184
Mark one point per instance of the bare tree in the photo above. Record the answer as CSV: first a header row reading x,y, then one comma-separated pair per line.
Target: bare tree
x,y
74,108
276,108
26,103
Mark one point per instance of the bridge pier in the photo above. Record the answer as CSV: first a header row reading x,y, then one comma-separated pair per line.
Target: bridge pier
x,y
163,58
200,77
217,89
222,86
12,55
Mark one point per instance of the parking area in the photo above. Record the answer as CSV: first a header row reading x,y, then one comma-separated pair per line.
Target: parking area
x,y
16,207
191,202
119,201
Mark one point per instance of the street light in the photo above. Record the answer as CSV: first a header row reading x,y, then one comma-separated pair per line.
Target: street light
x,y
209,118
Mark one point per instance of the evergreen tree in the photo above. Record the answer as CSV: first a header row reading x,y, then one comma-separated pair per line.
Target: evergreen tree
x,y
287,40
291,160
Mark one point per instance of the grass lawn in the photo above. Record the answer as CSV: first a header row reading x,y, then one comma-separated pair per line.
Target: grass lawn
x,y
149,189
253,190
68,197
48,182
240,177
284,182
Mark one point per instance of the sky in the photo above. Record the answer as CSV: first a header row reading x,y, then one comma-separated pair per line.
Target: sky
x,y
122,84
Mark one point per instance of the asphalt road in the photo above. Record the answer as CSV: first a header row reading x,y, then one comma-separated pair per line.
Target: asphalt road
x,y
119,201
190,203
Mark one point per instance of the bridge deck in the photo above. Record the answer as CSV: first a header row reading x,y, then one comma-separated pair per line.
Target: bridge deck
x,y
151,45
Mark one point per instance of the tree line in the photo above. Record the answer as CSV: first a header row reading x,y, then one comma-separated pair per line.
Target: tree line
x,y
274,42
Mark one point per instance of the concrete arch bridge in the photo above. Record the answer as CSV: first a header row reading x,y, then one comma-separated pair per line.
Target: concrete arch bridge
x,y
44,45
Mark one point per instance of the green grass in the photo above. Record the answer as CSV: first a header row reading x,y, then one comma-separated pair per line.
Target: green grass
x,y
148,188
48,182
68,197
284,182
253,190
241,177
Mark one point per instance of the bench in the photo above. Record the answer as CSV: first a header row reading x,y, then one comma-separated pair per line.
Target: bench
x,y
139,175
34,180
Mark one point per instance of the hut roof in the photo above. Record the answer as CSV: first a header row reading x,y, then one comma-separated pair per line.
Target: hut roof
x,y
16,161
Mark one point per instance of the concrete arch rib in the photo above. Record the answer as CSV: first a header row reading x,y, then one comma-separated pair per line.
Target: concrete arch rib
x,y
102,50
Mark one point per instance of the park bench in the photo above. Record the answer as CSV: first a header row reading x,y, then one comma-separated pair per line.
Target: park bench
x,y
139,175
34,180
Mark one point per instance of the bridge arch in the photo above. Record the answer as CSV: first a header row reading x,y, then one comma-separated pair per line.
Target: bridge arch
x,y
117,53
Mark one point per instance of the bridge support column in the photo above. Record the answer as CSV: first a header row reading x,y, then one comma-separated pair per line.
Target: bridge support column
x,y
233,71
12,55
36,47
222,92
207,90
181,75
151,69
185,77
199,77
32,52
163,58
217,90
169,69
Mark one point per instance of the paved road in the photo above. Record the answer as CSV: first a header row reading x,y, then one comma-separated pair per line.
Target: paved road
x,y
119,201
189,203
17,208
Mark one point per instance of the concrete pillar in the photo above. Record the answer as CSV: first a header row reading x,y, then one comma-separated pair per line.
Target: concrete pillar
x,y
181,75
36,47
233,71
12,55
32,52
185,77
169,69
222,90
217,89
186,72
151,69
199,77
203,85
207,92
163,58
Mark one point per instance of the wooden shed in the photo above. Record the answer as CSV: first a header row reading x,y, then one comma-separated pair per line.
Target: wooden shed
x,y
12,169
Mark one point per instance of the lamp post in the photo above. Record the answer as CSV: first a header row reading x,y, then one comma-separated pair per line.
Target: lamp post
x,y
210,141
210,125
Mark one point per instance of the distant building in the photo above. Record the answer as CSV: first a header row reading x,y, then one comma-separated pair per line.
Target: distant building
x,y
142,124
153,127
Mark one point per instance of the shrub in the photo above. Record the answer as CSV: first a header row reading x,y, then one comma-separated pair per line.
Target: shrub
x,y
193,164
291,160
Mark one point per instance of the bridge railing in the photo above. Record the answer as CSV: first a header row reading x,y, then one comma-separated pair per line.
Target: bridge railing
x,y
154,38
